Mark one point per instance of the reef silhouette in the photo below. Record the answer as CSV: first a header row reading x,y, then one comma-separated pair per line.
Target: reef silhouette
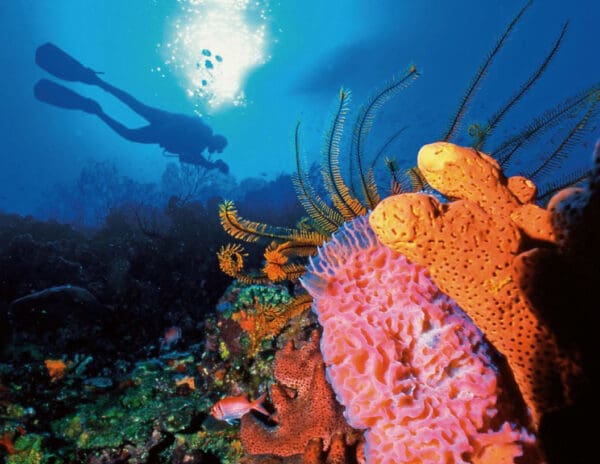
x,y
180,134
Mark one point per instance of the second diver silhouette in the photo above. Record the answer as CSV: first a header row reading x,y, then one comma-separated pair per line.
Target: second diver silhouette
x,y
179,134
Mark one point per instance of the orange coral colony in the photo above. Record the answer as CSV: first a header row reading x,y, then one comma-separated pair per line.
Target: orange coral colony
x,y
56,368
473,247
187,381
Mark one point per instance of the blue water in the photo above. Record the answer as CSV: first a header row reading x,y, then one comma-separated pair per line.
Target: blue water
x,y
311,48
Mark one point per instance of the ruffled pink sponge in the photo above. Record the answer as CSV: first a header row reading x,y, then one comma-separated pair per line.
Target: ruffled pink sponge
x,y
403,358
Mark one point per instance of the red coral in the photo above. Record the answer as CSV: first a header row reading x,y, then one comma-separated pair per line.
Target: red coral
x,y
6,441
306,408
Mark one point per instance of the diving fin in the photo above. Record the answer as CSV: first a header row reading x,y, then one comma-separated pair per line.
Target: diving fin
x,y
64,66
58,95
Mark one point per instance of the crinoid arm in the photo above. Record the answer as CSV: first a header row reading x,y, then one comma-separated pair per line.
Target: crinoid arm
x,y
566,109
277,266
572,139
384,148
363,126
528,85
348,206
570,180
479,76
396,184
286,243
326,219
251,231
231,259
231,262
417,180
298,305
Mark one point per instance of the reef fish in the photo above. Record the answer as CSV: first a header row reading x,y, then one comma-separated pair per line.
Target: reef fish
x,y
234,407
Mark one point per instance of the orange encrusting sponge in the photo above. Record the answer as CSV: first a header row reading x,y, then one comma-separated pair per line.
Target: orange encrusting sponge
x,y
305,408
473,247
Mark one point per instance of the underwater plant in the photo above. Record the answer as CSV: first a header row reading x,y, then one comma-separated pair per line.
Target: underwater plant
x,y
349,200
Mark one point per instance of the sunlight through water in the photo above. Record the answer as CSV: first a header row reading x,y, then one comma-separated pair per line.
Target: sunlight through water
x,y
213,45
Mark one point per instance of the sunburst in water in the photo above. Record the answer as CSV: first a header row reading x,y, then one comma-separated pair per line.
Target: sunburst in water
x,y
213,45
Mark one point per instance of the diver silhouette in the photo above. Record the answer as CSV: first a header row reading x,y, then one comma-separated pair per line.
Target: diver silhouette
x,y
179,134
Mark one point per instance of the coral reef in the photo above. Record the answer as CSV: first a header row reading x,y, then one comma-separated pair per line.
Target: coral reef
x,y
404,360
160,398
262,322
109,292
262,312
340,201
87,379
151,411
27,450
305,409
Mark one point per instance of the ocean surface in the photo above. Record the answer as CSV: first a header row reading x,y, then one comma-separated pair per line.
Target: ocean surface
x,y
290,62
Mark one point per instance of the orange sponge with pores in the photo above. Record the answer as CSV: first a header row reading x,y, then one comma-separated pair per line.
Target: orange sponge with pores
x,y
471,247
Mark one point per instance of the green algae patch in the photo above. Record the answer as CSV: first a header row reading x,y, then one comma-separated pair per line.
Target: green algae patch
x,y
265,295
28,450
151,403
224,444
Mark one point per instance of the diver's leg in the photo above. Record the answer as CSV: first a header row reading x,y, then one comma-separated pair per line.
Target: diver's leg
x,y
58,95
150,114
62,65
145,134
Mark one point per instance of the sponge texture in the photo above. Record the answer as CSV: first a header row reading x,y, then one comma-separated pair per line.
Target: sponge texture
x,y
403,358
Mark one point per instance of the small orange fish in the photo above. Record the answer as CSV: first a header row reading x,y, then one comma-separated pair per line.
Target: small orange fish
x,y
234,407
189,381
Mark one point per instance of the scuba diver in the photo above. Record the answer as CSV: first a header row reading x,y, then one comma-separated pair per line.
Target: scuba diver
x,y
180,134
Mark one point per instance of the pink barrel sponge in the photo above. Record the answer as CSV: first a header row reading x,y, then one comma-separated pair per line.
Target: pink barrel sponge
x,y
405,361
